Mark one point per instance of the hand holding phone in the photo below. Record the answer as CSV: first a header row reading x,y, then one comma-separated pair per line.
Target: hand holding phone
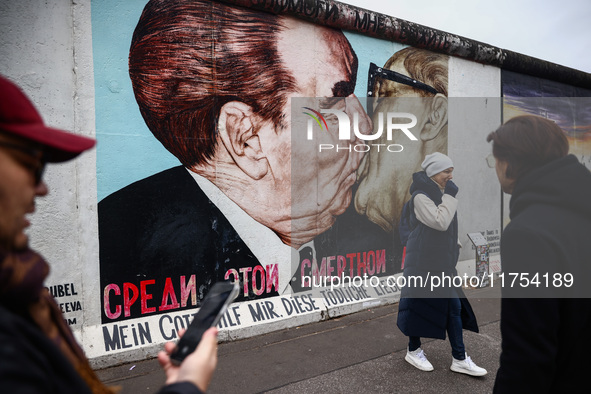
x,y
212,308
199,366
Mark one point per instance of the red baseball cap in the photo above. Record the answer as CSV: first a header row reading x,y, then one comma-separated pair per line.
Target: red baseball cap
x,y
19,117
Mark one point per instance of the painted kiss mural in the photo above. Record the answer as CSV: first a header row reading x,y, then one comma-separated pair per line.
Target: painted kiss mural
x,y
223,185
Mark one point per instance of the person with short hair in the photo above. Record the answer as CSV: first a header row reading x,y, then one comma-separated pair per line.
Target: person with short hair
x,y
213,82
545,345
38,351
432,249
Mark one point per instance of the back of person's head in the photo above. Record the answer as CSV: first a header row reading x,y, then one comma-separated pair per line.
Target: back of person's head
x,y
190,57
528,142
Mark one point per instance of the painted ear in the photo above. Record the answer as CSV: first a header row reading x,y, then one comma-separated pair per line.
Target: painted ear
x,y
236,127
437,118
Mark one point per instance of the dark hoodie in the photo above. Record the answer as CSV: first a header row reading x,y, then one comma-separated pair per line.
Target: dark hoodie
x,y
546,344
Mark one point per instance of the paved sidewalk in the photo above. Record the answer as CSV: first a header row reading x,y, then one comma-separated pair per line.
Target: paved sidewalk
x,y
359,353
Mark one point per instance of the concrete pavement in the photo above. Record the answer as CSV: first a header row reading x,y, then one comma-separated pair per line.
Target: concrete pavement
x,y
359,353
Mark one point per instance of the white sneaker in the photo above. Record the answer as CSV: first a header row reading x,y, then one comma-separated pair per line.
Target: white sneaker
x,y
467,366
418,359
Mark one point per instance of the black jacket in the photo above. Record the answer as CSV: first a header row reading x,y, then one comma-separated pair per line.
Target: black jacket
x,y
31,363
545,340
164,226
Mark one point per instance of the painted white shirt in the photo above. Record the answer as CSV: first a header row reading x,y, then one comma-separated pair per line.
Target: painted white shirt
x,y
261,240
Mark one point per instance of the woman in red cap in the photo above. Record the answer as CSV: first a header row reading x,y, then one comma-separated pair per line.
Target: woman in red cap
x,y
38,352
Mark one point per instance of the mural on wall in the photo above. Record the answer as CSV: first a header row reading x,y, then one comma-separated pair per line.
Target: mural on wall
x,y
566,105
410,81
385,178
226,190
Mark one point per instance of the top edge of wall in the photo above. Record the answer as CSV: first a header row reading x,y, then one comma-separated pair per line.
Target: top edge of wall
x,y
374,24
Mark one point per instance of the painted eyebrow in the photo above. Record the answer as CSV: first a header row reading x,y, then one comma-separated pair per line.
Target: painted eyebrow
x,y
343,89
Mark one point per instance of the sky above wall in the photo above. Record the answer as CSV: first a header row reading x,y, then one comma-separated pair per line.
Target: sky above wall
x,y
556,31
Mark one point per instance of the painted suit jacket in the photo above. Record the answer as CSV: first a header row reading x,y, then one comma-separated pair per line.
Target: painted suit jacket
x,y
156,233
162,227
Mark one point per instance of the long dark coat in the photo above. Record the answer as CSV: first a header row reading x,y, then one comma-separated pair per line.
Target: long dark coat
x,y
422,311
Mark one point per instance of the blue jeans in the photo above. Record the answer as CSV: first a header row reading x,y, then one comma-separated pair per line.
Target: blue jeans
x,y
454,331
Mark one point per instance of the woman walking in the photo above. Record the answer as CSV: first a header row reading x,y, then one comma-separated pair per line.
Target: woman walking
x,y
432,250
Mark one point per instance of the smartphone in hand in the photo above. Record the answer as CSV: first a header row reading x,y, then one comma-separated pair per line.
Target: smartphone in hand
x,y
212,308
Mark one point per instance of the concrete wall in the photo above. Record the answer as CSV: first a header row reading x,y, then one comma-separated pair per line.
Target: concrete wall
x,y
46,49
71,59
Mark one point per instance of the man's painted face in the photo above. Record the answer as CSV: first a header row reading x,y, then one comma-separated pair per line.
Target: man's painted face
x,y
320,182
384,176
18,189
